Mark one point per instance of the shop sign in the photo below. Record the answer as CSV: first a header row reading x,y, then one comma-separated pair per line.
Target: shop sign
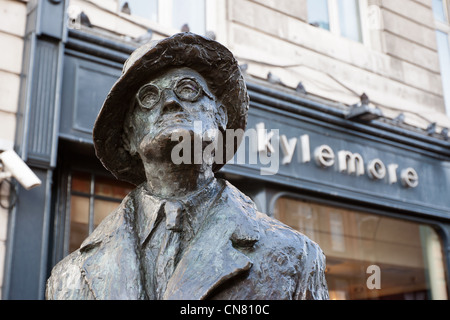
x,y
274,149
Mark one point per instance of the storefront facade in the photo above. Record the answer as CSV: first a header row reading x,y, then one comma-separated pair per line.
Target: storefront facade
x,y
372,197
372,193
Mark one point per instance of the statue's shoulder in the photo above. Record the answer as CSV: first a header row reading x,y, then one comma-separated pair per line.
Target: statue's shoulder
x,y
66,280
280,249
274,233
272,227
235,199
280,235
288,252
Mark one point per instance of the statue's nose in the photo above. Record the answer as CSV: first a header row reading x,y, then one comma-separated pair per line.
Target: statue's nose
x,y
171,102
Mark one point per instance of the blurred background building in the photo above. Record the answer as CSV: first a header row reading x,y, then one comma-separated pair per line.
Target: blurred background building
x,y
355,92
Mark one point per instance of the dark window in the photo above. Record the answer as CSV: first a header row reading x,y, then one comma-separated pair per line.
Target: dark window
x,y
91,197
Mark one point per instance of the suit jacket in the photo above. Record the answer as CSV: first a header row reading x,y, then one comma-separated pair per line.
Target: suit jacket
x,y
238,253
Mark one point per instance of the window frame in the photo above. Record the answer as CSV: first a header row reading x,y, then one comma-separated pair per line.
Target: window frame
x,y
335,28
72,158
440,25
91,196
165,8
445,28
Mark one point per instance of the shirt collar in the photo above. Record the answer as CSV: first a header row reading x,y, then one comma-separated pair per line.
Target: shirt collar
x,y
150,208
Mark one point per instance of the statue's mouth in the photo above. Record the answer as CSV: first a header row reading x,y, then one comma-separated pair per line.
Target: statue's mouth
x,y
174,118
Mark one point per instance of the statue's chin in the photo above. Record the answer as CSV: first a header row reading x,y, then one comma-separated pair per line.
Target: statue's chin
x,y
159,145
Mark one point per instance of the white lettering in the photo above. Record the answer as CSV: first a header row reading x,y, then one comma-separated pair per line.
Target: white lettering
x,y
197,310
351,162
271,157
374,281
305,149
267,146
377,169
181,153
198,141
264,144
392,171
324,156
212,150
243,309
288,148
410,178
242,137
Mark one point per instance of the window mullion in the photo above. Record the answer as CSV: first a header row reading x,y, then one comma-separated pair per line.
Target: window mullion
x,y
164,12
333,11
91,204
364,21
447,11
67,215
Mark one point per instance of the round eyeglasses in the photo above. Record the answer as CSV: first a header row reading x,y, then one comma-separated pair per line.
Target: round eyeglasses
x,y
186,89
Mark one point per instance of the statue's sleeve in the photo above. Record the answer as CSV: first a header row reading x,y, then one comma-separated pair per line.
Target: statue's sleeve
x,y
312,283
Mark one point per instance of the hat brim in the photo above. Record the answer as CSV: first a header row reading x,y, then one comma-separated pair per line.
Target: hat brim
x,y
208,57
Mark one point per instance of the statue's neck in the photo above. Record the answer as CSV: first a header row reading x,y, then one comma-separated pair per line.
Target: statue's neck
x,y
167,180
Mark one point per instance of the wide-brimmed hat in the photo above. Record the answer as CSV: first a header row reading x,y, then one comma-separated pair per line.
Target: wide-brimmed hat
x,y
208,57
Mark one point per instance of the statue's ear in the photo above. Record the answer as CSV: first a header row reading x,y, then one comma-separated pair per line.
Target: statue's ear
x,y
222,117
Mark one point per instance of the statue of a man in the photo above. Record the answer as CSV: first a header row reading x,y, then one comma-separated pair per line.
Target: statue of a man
x,y
182,233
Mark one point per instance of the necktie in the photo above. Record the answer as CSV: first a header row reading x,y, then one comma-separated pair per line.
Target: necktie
x,y
173,212
170,245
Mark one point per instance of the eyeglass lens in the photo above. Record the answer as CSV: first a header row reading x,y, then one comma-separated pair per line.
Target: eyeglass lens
x,y
186,89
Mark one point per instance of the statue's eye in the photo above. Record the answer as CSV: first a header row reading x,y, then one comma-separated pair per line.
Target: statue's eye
x,y
148,96
188,90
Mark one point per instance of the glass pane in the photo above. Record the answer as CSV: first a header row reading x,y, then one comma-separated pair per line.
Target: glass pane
x,y
433,257
318,13
408,255
81,182
111,187
79,221
191,12
349,19
439,10
144,8
102,208
444,60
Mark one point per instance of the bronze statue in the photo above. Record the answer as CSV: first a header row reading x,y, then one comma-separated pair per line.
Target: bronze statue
x,y
182,233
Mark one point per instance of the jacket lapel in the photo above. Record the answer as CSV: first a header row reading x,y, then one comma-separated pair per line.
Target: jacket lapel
x,y
205,266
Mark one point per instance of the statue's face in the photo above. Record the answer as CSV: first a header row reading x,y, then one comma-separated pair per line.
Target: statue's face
x,y
176,100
